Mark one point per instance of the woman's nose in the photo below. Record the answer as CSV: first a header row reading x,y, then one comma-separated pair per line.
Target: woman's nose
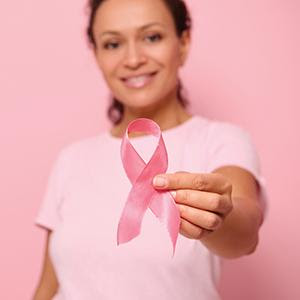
x,y
134,56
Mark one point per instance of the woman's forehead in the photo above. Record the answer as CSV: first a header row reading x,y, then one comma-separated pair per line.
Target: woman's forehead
x,y
118,15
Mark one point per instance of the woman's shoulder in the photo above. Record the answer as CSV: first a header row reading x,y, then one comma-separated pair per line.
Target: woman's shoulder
x,y
216,128
81,148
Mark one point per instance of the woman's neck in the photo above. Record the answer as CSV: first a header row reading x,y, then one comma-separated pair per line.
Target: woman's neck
x,y
166,116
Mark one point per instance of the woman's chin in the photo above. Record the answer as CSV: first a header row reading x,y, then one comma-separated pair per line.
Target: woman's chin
x,y
141,102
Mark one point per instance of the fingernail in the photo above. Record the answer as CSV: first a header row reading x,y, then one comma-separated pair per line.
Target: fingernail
x,y
173,193
160,181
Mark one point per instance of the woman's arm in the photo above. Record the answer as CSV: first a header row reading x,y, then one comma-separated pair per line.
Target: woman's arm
x,y
221,209
239,233
48,284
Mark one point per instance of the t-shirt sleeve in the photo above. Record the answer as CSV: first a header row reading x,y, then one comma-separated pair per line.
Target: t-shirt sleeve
x,y
48,215
233,145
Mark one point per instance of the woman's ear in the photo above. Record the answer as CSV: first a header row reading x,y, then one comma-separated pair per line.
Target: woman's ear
x,y
185,42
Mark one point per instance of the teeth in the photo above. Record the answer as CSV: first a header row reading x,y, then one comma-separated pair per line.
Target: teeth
x,y
138,81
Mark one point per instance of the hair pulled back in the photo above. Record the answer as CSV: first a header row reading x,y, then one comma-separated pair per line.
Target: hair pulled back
x,y
182,20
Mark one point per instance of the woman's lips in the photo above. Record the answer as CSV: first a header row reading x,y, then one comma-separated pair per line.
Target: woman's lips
x,y
139,81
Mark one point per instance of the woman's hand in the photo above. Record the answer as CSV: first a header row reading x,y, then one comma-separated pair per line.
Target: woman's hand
x,y
204,200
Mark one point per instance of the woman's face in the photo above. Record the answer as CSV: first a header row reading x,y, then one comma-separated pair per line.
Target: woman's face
x,y
138,50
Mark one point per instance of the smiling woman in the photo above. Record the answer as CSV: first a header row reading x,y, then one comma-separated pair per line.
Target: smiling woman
x,y
151,39
213,174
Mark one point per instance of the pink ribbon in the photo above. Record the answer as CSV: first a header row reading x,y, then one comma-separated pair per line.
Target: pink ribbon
x,y
142,194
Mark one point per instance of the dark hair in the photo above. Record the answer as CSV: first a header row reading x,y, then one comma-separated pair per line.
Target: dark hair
x,y
182,22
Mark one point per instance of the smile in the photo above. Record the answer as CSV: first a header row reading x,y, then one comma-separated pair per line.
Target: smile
x,y
139,81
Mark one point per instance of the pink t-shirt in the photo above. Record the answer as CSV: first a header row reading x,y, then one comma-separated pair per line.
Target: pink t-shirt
x,y
85,196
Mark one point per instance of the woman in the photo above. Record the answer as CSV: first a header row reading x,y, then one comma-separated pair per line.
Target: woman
x,y
140,45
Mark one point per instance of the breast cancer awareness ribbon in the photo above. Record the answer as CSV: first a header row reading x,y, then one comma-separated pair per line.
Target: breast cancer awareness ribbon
x,y
142,194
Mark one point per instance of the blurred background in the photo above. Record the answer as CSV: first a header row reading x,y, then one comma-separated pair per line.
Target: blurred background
x,y
243,68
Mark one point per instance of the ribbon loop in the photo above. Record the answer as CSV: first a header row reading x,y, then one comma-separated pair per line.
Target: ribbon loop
x,y
142,194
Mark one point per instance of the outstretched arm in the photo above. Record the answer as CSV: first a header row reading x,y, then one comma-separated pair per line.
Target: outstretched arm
x,y
221,209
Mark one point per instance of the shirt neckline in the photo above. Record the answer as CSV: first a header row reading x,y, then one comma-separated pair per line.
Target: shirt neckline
x,y
166,133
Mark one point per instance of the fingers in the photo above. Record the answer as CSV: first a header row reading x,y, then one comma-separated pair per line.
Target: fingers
x,y
215,182
203,200
191,231
200,218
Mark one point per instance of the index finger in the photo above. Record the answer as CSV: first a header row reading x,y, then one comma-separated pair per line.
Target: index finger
x,y
196,181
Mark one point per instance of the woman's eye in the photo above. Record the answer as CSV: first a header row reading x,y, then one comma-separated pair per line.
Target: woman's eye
x,y
111,45
153,38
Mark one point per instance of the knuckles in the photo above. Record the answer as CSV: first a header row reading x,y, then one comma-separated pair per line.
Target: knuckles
x,y
212,222
217,203
228,187
199,233
221,204
198,182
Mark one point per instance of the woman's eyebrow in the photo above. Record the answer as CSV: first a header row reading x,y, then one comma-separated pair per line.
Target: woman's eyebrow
x,y
113,32
149,25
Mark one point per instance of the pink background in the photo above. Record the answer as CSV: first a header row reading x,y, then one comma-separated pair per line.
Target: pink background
x,y
243,68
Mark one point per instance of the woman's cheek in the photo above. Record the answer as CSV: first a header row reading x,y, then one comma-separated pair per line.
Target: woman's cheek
x,y
107,62
171,57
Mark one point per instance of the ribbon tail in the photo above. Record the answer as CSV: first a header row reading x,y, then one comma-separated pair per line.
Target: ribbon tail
x,y
173,225
131,219
165,209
